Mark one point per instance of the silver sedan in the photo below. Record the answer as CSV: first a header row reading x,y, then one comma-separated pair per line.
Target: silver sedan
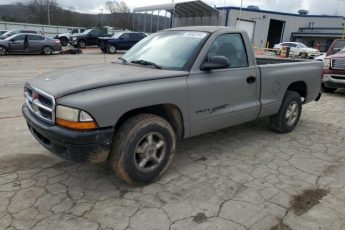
x,y
28,44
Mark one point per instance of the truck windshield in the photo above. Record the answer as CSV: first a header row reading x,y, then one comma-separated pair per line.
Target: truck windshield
x,y
168,49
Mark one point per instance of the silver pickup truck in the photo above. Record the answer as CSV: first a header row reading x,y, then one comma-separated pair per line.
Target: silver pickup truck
x,y
172,85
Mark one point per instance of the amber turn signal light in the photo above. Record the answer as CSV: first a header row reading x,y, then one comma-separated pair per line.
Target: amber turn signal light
x,y
76,125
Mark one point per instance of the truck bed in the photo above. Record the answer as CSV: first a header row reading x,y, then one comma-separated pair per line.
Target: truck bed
x,y
264,60
276,76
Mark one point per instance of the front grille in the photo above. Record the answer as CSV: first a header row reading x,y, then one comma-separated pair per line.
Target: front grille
x,y
40,103
338,64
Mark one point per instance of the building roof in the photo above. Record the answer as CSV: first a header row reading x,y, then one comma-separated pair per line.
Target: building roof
x,y
279,13
210,29
183,9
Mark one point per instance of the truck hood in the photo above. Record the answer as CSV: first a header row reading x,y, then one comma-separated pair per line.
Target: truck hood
x,y
337,55
61,83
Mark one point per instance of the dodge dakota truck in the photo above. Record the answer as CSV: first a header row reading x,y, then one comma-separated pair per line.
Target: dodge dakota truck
x,y
172,85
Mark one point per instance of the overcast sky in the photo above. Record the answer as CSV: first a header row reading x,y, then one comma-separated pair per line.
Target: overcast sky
x,y
292,6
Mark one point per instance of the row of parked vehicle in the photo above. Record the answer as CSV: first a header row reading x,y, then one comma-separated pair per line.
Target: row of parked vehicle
x,y
28,41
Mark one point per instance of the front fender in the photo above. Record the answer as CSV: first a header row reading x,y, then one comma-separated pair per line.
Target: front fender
x,y
108,104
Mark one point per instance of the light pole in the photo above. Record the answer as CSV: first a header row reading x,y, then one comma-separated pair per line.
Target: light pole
x,y
101,15
239,18
48,12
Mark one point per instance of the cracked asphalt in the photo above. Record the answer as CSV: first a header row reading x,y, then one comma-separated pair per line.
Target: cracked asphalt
x,y
242,177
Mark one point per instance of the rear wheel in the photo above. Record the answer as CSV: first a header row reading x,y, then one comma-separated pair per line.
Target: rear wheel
x,y
327,89
304,55
143,148
64,41
289,113
3,51
111,49
47,50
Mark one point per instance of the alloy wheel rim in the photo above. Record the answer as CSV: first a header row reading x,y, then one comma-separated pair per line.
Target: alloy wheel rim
x,y
150,152
112,49
292,113
47,50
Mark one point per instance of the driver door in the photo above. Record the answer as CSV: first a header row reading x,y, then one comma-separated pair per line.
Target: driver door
x,y
16,45
224,97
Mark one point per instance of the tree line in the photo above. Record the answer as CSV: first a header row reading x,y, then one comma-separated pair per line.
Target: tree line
x,y
52,12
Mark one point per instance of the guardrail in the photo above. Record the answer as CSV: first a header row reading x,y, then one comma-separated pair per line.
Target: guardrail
x,y
49,30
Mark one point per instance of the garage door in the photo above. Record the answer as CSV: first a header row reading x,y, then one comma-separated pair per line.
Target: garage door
x,y
247,26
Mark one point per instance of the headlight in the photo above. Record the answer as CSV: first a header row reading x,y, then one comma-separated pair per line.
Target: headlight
x,y
74,118
327,62
74,38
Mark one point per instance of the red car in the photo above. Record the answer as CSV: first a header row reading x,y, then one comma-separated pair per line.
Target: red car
x,y
334,71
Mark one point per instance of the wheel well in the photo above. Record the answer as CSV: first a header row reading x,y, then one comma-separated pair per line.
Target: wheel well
x,y
47,46
63,37
169,112
299,87
4,47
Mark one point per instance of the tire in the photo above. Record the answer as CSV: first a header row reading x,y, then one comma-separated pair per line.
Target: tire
x,y
64,41
304,55
47,50
111,49
3,51
143,148
289,113
327,89
81,44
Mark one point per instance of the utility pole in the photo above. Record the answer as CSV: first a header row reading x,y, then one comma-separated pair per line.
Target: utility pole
x,y
239,19
101,14
48,12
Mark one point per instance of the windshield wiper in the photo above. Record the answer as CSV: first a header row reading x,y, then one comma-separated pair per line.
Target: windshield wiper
x,y
143,62
122,59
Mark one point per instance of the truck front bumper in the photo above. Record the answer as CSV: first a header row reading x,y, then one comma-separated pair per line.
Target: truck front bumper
x,y
334,80
81,146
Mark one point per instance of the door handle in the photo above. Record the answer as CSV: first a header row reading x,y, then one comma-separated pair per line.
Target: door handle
x,y
251,79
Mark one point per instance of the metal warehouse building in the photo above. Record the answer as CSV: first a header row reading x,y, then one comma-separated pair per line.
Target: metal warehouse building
x,y
265,28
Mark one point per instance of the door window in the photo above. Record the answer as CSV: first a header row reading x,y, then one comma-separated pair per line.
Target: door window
x,y
125,36
35,38
231,46
20,37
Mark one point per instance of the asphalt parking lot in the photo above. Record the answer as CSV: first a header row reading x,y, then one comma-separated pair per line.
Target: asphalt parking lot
x,y
244,177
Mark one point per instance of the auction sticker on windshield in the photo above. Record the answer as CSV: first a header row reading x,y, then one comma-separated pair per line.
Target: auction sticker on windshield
x,y
195,35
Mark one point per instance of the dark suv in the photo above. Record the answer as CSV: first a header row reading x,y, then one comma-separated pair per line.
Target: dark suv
x,y
120,41
88,38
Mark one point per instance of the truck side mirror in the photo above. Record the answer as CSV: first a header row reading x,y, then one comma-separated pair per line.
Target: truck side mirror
x,y
216,62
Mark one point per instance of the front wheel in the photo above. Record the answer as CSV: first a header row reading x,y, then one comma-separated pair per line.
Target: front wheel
x,y
81,44
143,148
111,49
289,113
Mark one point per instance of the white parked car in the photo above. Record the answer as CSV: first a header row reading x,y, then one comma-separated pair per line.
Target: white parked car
x,y
321,57
299,49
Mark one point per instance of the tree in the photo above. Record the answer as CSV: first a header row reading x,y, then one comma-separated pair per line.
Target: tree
x,y
117,7
40,9
119,14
